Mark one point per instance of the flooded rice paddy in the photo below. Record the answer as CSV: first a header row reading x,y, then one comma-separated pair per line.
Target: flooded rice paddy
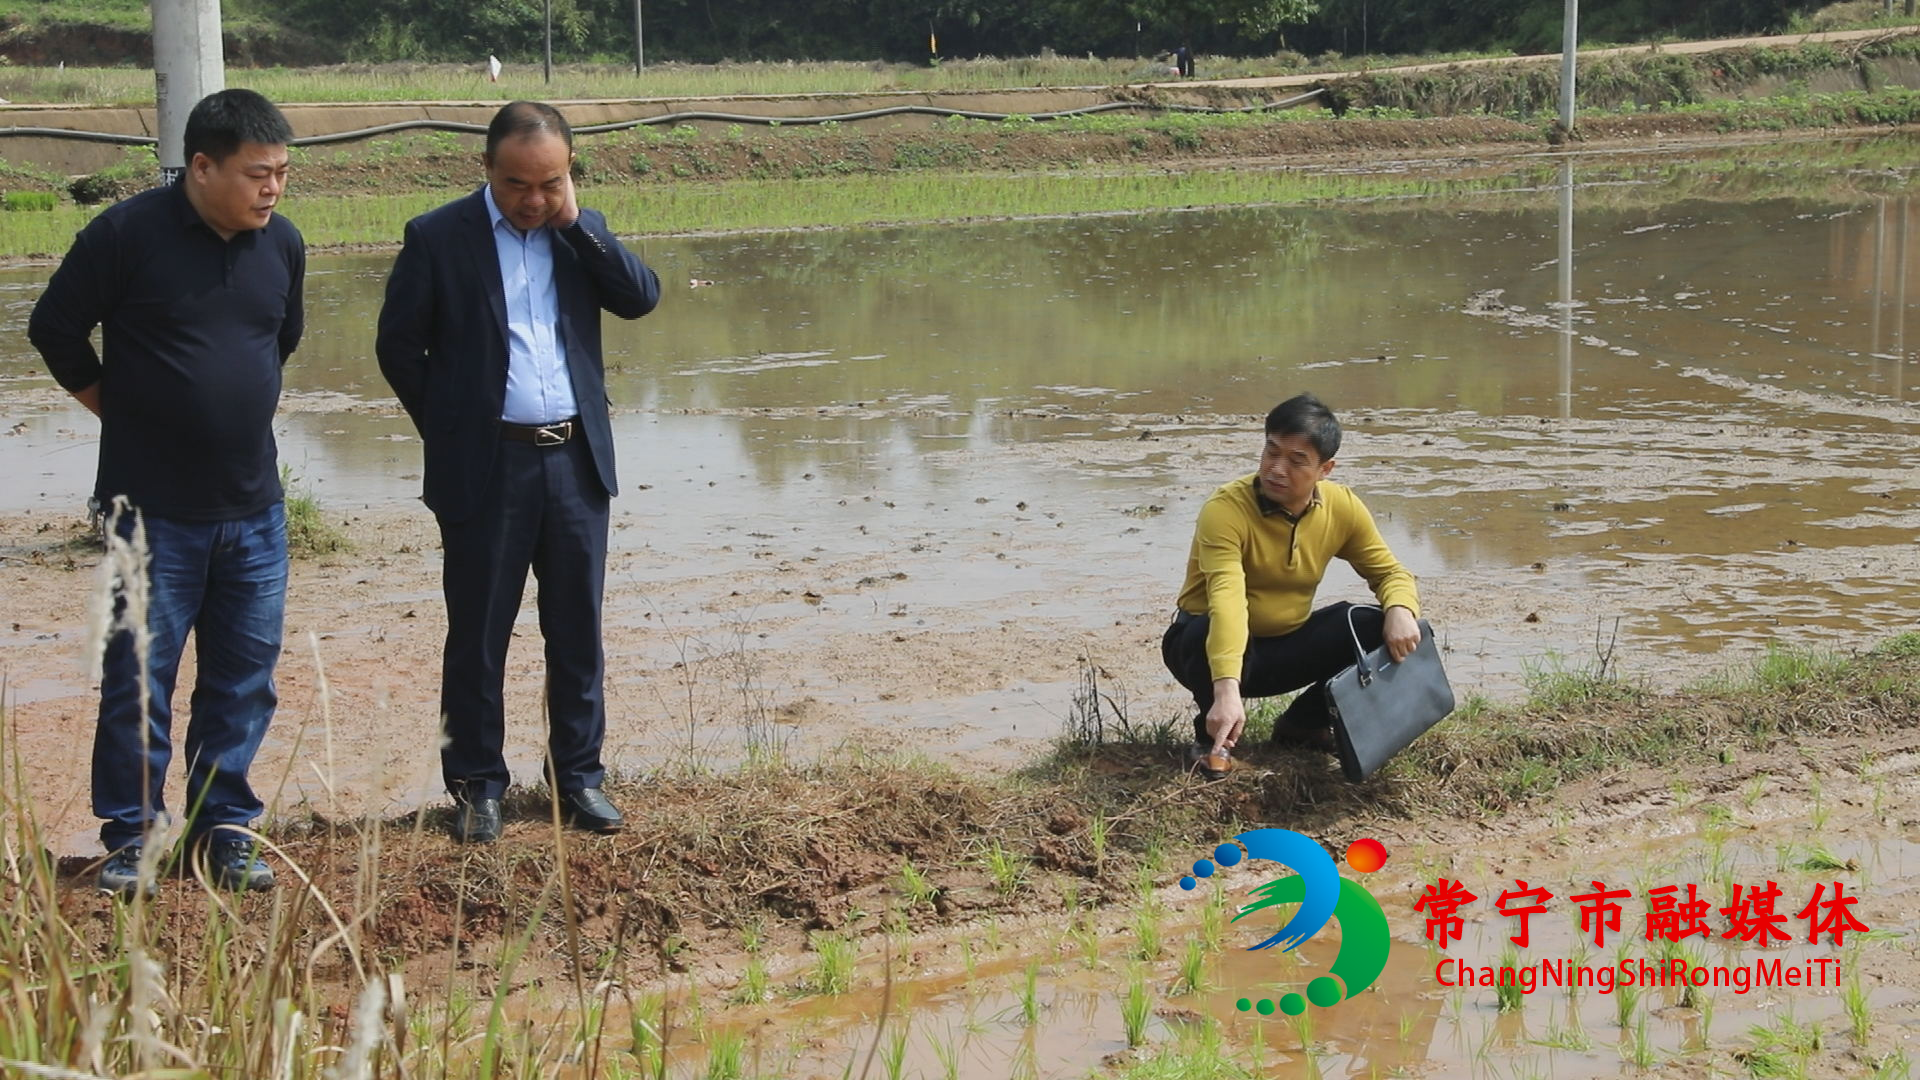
x,y
891,485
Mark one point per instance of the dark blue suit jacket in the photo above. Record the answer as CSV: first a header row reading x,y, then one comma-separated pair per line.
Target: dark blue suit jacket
x,y
442,341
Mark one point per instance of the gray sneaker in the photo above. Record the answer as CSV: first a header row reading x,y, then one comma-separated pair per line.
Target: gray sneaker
x,y
120,874
233,865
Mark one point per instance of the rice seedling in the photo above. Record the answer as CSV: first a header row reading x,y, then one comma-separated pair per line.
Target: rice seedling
x,y
1819,860
1097,838
1626,1002
947,1053
1085,933
1136,1007
1859,1016
893,1052
1213,920
1690,995
1781,1049
1404,1027
1640,1051
1303,1029
1894,1066
1193,969
1146,932
914,885
1571,1037
833,963
1030,993
753,982
726,1056
1007,869
1507,992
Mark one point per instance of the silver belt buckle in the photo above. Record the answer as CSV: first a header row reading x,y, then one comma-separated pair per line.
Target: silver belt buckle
x,y
553,434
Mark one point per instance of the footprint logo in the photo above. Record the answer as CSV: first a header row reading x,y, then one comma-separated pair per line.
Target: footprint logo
x,y
1322,894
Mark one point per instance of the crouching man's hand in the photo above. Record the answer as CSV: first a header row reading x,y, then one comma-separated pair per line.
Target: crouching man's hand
x,y
1402,633
1228,715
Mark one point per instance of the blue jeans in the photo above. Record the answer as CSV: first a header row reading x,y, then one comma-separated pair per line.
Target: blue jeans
x,y
227,582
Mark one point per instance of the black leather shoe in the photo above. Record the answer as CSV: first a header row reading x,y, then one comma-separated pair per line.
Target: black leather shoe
x,y
590,810
476,821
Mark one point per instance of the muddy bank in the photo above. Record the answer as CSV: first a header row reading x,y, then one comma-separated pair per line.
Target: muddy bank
x,y
1801,775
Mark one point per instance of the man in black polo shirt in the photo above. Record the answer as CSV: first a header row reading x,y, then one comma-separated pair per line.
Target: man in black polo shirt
x,y
197,288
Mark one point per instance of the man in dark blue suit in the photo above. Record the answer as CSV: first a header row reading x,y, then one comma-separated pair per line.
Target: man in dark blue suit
x,y
490,336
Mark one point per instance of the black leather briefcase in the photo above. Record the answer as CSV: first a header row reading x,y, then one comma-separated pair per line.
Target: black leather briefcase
x,y
1379,707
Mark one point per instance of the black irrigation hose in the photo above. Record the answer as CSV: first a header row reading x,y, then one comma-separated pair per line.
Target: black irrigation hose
x,y
674,118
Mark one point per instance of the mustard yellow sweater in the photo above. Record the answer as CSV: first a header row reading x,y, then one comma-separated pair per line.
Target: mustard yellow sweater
x,y
1256,573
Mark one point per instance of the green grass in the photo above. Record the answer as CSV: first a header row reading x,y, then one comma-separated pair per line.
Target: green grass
x,y
751,205
467,82
29,201
309,533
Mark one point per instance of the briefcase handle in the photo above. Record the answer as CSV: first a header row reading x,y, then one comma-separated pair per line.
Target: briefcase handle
x,y
1360,666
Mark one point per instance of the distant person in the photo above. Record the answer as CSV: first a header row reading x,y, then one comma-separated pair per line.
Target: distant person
x,y
1244,626
197,288
1183,61
490,336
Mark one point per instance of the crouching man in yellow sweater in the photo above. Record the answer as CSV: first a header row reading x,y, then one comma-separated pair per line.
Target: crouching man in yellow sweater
x,y
1246,627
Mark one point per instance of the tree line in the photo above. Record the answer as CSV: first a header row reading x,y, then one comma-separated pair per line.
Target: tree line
x,y
916,30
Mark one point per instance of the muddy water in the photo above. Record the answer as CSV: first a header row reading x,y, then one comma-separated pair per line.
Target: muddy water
x,y
1421,1017
1706,442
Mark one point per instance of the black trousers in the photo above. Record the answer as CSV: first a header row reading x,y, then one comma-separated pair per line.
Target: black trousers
x,y
1320,649
544,510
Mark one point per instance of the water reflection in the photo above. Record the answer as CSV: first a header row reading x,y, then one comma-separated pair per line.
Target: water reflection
x,y
1717,442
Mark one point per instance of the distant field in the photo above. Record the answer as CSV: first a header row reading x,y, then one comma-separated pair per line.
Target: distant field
x,y
440,82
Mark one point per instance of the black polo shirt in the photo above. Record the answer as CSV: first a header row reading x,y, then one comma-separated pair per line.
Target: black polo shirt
x,y
194,331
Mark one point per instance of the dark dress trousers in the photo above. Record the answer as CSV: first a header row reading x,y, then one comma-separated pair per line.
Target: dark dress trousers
x,y
504,505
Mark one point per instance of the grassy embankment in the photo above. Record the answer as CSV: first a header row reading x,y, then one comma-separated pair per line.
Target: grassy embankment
x,y
905,195
387,953
689,180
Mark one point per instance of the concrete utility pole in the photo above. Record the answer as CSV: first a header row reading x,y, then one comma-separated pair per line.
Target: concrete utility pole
x,y
1569,42
549,64
187,66
639,40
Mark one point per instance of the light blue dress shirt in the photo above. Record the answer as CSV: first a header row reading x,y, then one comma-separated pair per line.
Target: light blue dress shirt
x,y
539,390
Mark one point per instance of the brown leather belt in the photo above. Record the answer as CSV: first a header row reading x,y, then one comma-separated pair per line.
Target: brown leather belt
x,y
555,434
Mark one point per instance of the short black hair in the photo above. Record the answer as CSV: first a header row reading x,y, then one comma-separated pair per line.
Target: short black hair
x,y
521,118
1304,414
222,121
